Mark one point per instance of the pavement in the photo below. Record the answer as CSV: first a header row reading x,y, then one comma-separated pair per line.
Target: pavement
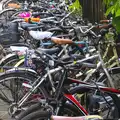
x,y
4,106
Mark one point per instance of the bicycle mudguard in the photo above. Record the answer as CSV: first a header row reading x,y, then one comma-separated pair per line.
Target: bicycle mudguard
x,y
7,57
20,62
22,69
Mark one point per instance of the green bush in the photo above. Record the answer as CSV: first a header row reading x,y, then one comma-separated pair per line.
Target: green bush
x,y
113,7
78,8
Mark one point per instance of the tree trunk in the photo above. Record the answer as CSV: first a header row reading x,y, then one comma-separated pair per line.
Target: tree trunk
x,y
93,10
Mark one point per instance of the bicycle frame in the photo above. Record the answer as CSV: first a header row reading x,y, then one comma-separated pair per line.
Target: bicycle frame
x,y
87,78
68,96
49,72
64,49
99,64
111,44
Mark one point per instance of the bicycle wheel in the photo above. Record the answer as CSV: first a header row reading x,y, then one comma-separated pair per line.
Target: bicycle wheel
x,y
12,89
5,15
41,115
68,110
2,52
5,4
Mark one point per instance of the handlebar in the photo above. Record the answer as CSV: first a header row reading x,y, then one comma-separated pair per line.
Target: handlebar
x,y
105,26
84,32
105,21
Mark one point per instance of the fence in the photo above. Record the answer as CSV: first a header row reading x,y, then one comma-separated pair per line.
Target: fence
x,y
93,10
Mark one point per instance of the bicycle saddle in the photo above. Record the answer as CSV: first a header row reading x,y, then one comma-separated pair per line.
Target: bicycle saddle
x,y
89,117
48,51
61,41
35,28
26,25
50,21
38,35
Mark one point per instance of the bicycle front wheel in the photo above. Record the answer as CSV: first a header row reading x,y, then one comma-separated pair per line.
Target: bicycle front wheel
x,y
12,89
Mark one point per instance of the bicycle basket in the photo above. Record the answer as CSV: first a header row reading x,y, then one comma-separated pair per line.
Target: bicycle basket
x,y
9,34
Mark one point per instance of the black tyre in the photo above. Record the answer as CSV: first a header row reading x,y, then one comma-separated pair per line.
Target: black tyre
x,y
68,110
41,115
31,109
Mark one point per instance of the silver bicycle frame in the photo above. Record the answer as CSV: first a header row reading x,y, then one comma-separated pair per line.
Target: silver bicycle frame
x,y
39,81
34,86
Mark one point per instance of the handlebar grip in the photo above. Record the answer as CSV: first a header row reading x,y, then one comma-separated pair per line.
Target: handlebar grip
x,y
104,21
105,26
66,27
32,20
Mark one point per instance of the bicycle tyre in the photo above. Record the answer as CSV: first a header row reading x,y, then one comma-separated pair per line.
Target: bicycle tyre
x,y
4,13
44,115
68,108
31,109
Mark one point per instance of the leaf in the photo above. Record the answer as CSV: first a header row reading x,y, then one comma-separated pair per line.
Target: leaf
x,y
117,13
113,6
110,10
116,23
78,8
